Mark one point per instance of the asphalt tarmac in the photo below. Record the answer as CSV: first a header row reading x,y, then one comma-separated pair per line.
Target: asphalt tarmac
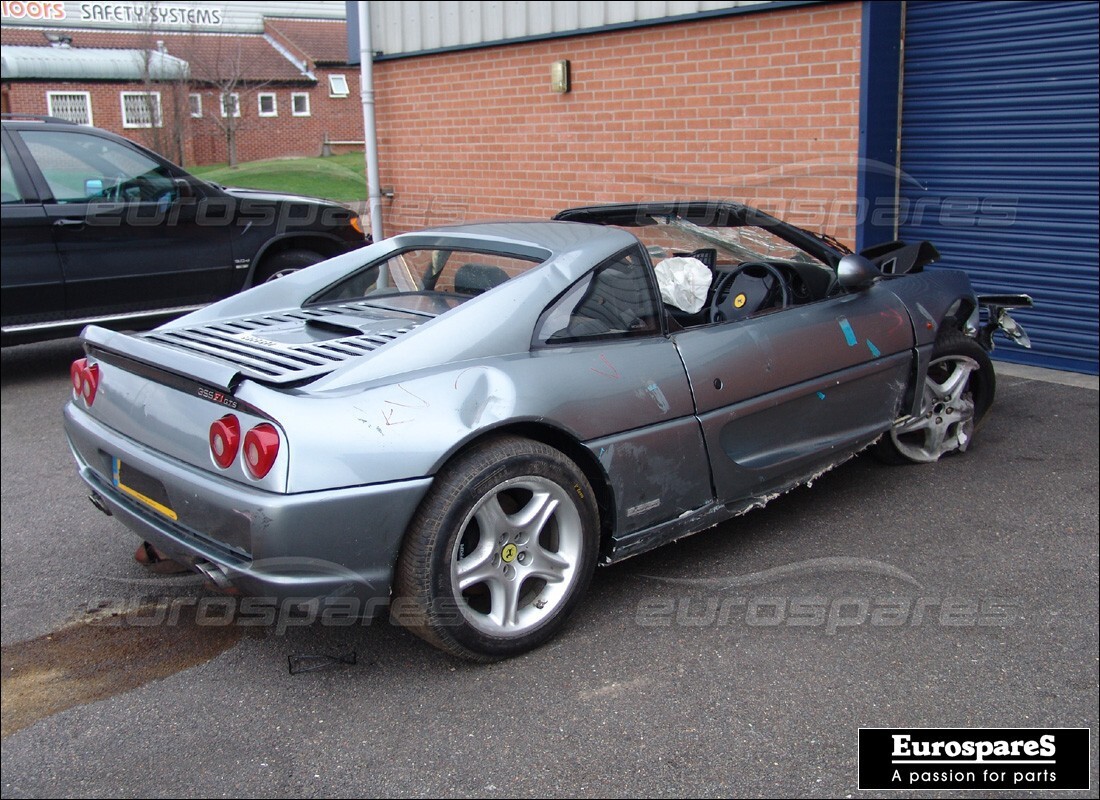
x,y
739,662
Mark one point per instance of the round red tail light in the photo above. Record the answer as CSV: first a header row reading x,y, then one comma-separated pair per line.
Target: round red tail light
x,y
225,439
85,378
91,383
76,373
261,447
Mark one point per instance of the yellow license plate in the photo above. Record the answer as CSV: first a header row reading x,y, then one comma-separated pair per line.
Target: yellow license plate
x,y
143,488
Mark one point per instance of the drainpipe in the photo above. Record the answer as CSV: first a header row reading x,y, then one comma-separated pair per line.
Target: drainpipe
x,y
366,80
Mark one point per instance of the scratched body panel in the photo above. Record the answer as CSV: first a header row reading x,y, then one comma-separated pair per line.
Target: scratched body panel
x,y
166,420
408,429
778,393
657,474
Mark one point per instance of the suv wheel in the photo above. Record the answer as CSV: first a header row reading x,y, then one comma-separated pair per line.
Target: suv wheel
x,y
284,263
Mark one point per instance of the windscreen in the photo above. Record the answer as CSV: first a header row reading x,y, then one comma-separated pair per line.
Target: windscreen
x,y
673,235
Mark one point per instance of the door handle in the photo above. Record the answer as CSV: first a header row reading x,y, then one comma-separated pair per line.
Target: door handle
x,y
69,223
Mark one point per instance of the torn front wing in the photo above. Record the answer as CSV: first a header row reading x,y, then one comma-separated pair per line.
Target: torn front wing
x,y
998,319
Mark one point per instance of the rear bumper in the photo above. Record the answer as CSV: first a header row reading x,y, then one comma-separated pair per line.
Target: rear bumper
x,y
337,543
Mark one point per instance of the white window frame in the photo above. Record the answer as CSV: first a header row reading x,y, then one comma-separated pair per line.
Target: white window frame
x,y
294,106
236,103
87,104
194,105
274,112
334,82
154,110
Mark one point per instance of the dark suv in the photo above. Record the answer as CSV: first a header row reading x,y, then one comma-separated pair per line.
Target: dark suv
x,y
99,229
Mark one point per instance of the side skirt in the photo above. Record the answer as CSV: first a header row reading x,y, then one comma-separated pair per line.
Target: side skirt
x,y
705,517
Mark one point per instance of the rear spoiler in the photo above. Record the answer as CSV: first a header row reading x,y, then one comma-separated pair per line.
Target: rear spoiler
x,y
177,362
901,258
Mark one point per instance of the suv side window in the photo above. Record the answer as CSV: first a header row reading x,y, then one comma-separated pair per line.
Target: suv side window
x,y
9,191
82,168
616,300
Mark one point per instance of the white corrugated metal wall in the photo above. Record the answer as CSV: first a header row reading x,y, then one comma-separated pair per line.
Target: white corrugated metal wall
x,y
411,27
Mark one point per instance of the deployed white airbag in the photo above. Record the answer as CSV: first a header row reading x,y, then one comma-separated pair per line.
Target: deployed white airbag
x,y
684,282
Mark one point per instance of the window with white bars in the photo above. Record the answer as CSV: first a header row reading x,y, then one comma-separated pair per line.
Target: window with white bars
x,y
194,101
72,106
299,104
141,110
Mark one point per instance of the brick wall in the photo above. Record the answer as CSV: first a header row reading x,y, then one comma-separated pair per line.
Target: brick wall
x,y
30,97
204,141
759,107
340,118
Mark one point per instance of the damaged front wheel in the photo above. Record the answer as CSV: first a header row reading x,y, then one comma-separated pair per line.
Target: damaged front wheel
x,y
958,392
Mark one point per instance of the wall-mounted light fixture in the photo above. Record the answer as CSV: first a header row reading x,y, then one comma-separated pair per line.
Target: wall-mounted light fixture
x,y
559,76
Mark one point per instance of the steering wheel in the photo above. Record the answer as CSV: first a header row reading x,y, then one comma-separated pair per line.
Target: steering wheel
x,y
743,291
138,188
110,191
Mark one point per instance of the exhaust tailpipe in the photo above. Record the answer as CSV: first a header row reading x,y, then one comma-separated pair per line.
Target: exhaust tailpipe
x,y
216,576
98,502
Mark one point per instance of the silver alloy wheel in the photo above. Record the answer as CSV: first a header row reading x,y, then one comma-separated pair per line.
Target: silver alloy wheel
x,y
516,556
946,421
281,274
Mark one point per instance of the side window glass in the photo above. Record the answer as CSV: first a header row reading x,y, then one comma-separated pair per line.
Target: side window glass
x,y
613,301
81,168
8,188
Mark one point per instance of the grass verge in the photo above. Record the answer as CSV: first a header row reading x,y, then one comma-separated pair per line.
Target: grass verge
x,y
340,178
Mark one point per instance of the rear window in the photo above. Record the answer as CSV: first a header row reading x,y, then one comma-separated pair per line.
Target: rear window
x,y
427,280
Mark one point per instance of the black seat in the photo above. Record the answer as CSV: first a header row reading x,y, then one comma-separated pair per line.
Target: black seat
x,y
614,299
475,279
707,255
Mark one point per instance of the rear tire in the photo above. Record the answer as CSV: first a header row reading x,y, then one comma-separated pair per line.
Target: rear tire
x,y
958,393
500,551
282,264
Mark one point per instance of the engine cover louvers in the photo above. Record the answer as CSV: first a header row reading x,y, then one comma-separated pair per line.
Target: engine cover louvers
x,y
273,348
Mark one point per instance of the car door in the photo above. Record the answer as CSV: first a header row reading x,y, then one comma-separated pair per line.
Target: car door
x,y
789,392
127,241
621,387
33,290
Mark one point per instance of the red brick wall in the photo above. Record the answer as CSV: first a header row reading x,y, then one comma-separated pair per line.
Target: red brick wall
x,y
257,137
341,118
106,104
760,107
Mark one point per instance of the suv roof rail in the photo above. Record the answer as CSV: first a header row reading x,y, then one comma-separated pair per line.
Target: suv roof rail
x,y
39,118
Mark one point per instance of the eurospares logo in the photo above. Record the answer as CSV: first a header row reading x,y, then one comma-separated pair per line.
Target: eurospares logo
x,y
1016,759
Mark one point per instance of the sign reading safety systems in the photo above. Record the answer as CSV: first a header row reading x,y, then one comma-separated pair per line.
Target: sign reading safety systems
x,y
1020,759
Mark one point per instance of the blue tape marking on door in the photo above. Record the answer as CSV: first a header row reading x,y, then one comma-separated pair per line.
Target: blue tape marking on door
x,y
849,334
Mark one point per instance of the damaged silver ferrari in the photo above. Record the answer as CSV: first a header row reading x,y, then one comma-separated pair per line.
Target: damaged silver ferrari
x,y
464,421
